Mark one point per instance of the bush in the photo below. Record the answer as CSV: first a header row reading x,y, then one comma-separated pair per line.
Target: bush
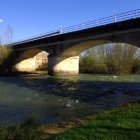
x,y
136,66
6,58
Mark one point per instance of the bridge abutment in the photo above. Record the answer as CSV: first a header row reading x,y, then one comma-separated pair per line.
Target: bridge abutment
x,y
63,65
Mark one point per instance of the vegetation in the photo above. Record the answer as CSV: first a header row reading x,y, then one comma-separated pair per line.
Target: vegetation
x,y
119,124
6,58
122,123
114,58
29,130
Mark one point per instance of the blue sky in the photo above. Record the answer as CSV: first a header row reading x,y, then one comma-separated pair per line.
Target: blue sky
x,y
28,18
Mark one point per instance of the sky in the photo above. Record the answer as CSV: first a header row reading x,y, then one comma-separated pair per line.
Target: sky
x,y
28,18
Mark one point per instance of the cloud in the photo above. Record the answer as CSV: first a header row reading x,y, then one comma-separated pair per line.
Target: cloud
x,y
1,20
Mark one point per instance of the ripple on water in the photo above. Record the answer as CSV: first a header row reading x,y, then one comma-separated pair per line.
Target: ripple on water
x,y
53,99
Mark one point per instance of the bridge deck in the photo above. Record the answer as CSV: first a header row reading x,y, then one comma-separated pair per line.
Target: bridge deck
x,y
96,25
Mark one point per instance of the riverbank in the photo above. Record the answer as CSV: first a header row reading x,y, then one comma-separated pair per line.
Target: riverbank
x,y
10,73
117,124
122,123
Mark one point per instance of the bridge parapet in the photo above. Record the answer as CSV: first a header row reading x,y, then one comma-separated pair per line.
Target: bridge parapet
x,y
95,23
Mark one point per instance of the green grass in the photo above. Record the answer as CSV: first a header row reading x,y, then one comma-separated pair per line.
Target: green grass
x,y
29,130
120,124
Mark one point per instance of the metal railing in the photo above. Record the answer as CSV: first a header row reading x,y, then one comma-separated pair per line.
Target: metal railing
x,y
98,22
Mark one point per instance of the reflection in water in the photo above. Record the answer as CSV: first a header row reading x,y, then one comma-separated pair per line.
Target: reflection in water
x,y
52,99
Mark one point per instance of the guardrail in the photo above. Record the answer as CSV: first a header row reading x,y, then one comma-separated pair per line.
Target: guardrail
x,y
98,22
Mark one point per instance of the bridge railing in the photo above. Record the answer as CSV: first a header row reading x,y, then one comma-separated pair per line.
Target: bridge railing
x,y
104,21
98,22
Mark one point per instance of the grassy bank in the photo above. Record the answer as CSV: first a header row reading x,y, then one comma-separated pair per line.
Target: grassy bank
x,y
29,130
122,123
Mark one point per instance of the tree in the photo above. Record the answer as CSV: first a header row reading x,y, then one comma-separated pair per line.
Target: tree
x,y
111,59
6,58
7,55
7,37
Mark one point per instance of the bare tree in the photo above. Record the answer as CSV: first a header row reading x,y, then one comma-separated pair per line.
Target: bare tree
x,y
7,37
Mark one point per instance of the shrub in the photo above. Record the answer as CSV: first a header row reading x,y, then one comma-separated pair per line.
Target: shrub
x,y
6,58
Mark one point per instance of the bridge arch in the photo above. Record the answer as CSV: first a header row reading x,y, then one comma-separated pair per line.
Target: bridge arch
x,y
31,60
67,62
64,51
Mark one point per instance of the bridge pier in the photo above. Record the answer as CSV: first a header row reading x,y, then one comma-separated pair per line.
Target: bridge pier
x,y
63,65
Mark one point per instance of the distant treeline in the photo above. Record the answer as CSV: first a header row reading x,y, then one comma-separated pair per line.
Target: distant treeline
x,y
6,58
111,59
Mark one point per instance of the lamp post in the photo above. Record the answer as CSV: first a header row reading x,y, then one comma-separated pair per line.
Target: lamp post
x,y
61,29
114,14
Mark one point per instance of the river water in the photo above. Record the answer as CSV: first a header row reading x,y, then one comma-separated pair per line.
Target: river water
x,y
54,99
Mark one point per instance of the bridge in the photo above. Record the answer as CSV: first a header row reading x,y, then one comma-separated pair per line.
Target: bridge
x,y
65,45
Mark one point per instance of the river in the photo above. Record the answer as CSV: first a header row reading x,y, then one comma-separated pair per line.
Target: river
x,y
54,99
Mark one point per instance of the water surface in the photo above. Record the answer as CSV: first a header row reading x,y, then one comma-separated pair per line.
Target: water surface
x,y
53,99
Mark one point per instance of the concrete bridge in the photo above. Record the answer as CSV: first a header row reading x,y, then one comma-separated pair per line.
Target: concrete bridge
x,y
64,46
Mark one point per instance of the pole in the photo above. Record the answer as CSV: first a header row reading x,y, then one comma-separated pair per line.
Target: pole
x,y
61,29
114,13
